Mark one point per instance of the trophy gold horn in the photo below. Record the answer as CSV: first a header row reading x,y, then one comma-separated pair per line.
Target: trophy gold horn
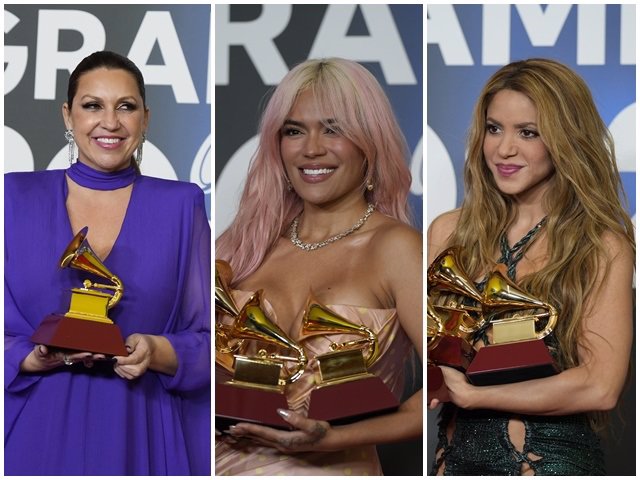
x,y
435,327
225,344
451,289
502,295
253,324
79,255
223,300
320,320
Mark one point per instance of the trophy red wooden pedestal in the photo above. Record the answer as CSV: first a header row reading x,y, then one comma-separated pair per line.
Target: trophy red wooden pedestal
x,y
351,400
436,388
454,352
511,362
236,403
67,333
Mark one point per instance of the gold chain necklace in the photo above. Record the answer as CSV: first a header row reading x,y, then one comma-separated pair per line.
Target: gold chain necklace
x,y
314,246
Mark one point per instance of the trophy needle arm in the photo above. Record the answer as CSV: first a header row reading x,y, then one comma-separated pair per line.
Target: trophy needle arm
x,y
118,289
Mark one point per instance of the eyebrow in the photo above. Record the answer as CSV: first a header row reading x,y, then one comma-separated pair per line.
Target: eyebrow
x,y
94,97
289,121
517,125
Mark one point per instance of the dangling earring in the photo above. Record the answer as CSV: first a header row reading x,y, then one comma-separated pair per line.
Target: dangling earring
x,y
68,134
138,156
289,186
369,184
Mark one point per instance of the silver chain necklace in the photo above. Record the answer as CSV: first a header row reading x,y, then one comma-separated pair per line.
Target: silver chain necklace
x,y
313,246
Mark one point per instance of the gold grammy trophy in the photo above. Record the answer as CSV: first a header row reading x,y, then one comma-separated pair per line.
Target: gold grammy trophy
x,y
455,301
86,326
345,391
261,371
519,322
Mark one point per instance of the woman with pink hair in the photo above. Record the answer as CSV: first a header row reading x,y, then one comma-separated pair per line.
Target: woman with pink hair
x,y
324,211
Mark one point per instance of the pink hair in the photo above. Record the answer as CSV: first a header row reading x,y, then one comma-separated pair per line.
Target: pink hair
x,y
345,92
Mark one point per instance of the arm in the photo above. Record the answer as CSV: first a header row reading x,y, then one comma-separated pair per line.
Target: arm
x,y
403,284
183,354
596,383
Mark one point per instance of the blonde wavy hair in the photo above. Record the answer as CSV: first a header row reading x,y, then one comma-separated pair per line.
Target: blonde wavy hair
x,y
582,202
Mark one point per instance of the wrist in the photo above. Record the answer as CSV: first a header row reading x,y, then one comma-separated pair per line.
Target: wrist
x,y
26,366
471,397
334,440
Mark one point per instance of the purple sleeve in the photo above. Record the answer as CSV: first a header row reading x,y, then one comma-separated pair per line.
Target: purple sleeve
x,y
191,340
17,345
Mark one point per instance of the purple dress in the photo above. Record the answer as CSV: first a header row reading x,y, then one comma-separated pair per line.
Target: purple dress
x,y
89,421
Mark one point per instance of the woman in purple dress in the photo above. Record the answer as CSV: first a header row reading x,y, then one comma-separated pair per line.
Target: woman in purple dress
x,y
79,413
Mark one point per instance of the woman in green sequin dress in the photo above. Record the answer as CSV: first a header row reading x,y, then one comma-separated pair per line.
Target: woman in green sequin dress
x,y
540,156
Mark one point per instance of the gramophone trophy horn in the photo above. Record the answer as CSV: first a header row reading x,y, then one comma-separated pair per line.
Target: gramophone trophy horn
x,y
435,327
450,288
456,302
517,351
253,324
226,346
257,389
86,326
345,391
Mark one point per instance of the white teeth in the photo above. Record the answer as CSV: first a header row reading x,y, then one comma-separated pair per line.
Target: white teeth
x,y
108,140
317,171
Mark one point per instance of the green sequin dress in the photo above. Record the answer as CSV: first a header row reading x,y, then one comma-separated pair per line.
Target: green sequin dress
x,y
480,444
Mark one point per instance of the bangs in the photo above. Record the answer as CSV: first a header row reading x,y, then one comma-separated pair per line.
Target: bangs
x,y
338,103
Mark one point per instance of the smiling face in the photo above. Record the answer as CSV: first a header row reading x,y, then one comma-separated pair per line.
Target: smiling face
x,y
513,148
107,117
323,165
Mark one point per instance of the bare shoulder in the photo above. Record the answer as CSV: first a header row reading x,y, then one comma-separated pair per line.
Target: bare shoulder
x,y
394,236
440,229
396,254
618,247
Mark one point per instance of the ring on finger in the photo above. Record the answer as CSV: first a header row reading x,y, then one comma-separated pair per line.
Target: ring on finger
x,y
66,359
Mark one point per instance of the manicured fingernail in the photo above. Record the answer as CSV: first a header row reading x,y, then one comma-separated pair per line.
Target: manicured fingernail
x,y
284,413
41,349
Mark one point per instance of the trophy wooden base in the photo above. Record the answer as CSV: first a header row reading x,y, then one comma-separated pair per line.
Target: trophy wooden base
x,y
436,388
511,362
68,333
236,403
352,400
453,352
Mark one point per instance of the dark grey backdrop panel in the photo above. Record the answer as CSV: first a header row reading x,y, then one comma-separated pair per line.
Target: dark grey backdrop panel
x,y
169,43
255,47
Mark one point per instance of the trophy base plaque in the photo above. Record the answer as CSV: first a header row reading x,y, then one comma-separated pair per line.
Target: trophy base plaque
x,y
236,403
351,400
453,352
511,362
69,333
436,388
